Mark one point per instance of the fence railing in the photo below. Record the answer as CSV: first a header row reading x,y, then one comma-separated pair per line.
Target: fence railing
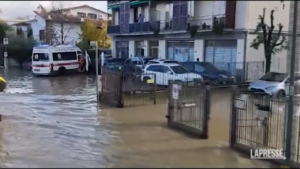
x,y
242,71
259,121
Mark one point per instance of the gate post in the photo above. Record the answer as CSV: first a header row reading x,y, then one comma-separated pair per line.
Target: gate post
x,y
233,125
206,111
170,102
120,91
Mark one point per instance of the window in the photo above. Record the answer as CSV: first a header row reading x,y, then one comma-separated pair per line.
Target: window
x,y
42,35
40,57
179,69
153,62
154,68
64,56
100,16
165,69
92,16
81,15
199,68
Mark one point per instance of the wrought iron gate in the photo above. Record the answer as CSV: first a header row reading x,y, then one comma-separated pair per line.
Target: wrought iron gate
x,y
189,107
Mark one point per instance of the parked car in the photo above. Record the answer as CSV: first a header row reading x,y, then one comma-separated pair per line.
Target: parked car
x,y
129,71
26,65
156,61
169,71
139,60
107,59
272,83
209,72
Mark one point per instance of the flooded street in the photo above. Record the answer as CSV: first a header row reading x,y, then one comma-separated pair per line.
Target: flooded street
x,y
54,122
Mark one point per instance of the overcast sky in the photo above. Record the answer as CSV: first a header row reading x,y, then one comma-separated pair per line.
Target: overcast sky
x,y
13,9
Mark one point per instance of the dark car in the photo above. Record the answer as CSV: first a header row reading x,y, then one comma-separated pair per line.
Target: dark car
x,y
209,72
139,60
107,59
129,71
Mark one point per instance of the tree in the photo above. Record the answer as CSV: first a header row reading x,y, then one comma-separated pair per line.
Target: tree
x,y
92,30
272,40
4,27
59,25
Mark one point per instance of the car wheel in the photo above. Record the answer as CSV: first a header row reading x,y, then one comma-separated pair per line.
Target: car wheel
x,y
280,94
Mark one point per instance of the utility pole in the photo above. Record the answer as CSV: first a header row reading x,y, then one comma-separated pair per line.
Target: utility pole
x,y
291,88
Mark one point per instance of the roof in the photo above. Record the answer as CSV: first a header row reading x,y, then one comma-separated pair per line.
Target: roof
x,y
58,17
23,23
163,64
82,6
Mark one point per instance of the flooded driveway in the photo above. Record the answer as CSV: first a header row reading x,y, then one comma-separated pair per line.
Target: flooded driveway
x,y
54,122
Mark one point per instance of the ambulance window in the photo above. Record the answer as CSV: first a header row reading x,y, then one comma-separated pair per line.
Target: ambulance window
x,y
40,57
64,56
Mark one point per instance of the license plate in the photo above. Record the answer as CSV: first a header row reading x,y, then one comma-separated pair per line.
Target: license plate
x,y
36,70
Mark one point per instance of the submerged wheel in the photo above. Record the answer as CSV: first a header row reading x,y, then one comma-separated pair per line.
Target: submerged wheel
x,y
61,70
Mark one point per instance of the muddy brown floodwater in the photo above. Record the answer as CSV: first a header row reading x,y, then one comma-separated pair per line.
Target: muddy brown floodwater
x,y
54,122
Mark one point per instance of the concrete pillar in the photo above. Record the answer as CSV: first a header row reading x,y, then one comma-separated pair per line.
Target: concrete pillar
x,y
162,49
131,48
199,50
146,48
290,30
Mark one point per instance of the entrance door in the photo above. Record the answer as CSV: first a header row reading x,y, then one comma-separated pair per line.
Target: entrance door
x,y
154,52
122,49
189,108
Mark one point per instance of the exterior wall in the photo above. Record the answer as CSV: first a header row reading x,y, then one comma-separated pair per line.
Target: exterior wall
x,y
37,25
241,17
162,49
89,10
71,33
280,15
278,60
204,10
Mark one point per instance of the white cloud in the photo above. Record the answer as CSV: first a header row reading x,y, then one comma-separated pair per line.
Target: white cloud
x,y
13,9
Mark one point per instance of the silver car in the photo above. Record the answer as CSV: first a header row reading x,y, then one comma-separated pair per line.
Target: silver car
x,y
272,83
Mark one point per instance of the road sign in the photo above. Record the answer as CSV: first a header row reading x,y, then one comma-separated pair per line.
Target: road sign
x,y
93,43
5,54
5,41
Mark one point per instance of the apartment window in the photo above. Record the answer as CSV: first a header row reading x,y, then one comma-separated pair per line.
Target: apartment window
x,y
92,16
81,15
42,35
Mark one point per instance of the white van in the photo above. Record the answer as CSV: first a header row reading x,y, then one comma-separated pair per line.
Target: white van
x,y
52,60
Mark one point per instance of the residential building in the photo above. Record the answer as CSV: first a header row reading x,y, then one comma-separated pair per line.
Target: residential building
x,y
166,27
24,25
63,26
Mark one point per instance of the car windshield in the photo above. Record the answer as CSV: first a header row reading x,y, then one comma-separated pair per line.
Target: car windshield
x,y
273,77
179,69
210,67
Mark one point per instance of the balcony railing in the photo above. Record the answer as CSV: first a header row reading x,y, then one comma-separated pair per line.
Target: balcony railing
x,y
113,29
139,27
208,22
113,2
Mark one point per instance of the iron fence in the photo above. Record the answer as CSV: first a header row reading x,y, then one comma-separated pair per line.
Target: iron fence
x,y
242,72
260,121
188,107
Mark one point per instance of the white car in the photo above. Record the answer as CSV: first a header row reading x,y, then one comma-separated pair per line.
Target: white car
x,y
169,71
161,61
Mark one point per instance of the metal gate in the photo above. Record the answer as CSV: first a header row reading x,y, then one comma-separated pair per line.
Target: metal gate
x,y
189,107
257,121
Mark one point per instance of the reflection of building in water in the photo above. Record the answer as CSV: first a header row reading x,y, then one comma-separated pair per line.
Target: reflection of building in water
x,y
167,27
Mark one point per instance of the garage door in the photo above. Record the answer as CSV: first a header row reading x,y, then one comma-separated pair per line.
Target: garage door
x,y
181,51
222,54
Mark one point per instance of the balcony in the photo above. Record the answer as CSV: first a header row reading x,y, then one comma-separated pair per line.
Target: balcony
x,y
113,2
139,27
208,22
113,29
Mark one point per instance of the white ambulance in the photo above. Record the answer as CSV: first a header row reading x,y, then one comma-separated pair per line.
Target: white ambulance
x,y
56,60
